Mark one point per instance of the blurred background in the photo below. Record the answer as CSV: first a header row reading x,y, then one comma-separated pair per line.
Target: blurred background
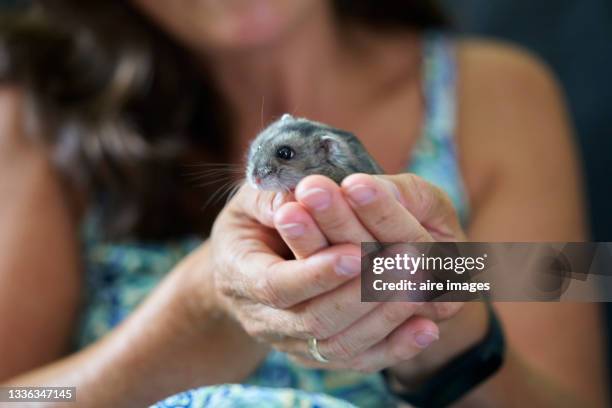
x,y
575,38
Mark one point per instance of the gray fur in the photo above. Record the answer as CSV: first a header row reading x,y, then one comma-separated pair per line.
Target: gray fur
x,y
319,149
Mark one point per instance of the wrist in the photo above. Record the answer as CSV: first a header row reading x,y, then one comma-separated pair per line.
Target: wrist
x,y
193,282
182,329
210,325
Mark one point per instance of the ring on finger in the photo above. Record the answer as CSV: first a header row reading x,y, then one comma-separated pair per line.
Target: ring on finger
x,y
313,349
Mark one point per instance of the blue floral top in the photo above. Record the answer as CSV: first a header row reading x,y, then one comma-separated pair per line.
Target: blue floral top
x,y
121,274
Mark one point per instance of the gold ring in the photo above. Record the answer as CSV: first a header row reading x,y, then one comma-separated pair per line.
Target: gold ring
x,y
313,348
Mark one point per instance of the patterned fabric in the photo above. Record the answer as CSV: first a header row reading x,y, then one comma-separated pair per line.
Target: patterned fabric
x,y
244,396
121,274
435,156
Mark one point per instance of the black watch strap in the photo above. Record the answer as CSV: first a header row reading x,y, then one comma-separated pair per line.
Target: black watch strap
x,y
463,373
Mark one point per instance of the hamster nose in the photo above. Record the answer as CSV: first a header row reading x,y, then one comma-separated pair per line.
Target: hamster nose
x,y
262,172
266,171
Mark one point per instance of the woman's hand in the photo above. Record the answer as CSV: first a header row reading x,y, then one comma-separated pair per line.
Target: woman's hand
x,y
402,208
285,302
278,301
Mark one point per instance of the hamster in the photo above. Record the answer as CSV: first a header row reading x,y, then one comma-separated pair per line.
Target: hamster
x,y
292,148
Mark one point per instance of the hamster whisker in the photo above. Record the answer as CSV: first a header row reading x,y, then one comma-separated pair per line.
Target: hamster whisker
x,y
228,188
202,167
216,174
232,192
217,180
213,172
263,102
199,165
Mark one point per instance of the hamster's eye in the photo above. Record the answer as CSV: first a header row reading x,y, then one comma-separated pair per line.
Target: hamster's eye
x,y
285,153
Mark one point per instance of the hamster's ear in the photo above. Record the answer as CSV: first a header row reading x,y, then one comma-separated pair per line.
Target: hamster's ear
x,y
332,145
285,117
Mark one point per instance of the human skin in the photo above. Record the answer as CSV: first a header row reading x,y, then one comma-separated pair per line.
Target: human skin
x,y
519,170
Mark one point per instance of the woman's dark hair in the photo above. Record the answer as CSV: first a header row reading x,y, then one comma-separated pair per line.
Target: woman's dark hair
x,y
124,109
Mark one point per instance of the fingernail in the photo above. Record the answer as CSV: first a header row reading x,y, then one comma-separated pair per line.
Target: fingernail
x,y
348,266
294,230
424,339
362,194
317,199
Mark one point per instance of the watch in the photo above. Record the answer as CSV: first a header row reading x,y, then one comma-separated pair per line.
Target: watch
x,y
463,373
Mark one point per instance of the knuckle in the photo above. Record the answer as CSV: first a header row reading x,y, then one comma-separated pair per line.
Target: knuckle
x,y
431,196
314,325
341,349
383,217
410,182
423,193
426,201
260,328
318,279
394,312
266,293
445,310
337,222
226,288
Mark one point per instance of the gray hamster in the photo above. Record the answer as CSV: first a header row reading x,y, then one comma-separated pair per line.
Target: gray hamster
x,y
292,148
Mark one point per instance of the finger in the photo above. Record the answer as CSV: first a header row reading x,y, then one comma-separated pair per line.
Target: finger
x,y
368,331
257,204
403,344
299,231
325,202
266,278
430,205
380,211
333,312
321,318
440,311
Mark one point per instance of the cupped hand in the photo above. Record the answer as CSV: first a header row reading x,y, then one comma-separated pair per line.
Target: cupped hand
x,y
401,208
278,299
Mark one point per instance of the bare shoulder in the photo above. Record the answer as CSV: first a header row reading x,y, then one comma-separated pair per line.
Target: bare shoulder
x,y
11,100
15,142
503,64
20,155
503,89
512,116
24,159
